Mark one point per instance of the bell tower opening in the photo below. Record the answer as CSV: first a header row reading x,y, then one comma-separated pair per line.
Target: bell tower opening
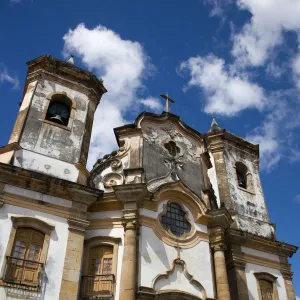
x,y
59,110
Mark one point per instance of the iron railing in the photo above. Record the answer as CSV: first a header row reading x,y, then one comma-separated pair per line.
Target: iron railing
x,y
23,273
98,287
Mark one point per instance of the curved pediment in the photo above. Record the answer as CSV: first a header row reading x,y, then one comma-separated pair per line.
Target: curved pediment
x,y
171,152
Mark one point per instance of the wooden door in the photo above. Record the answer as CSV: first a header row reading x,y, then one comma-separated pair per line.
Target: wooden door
x,y
24,264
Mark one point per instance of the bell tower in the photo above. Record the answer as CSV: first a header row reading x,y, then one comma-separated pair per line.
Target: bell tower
x,y
53,127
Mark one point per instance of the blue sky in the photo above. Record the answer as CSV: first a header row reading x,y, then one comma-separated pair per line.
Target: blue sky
x,y
238,60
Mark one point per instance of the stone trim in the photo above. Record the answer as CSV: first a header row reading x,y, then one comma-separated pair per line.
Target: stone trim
x,y
178,193
105,223
267,277
187,241
32,223
188,276
146,293
48,100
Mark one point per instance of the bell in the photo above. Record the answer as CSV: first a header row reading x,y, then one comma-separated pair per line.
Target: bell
x,y
57,119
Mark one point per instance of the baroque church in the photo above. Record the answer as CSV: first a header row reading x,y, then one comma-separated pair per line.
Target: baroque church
x,y
171,214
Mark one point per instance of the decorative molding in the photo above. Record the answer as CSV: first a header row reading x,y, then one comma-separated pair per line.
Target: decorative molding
x,y
32,223
78,225
189,277
112,179
105,223
179,193
10,147
184,242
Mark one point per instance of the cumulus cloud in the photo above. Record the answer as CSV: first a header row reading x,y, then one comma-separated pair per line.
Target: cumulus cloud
x,y
5,77
270,19
153,104
122,64
266,137
227,92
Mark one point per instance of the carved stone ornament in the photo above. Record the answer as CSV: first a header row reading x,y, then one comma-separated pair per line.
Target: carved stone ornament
x,y
116,164
112,179
178,262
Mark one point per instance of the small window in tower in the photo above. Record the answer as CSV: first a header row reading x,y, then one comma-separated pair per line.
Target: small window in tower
x,y
174,220
241,173
59,110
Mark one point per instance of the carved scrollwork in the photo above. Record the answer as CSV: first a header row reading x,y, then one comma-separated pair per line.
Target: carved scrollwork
x,y
112,179
116,164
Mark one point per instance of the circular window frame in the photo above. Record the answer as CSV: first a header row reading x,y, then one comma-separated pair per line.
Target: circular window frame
x,y
187,240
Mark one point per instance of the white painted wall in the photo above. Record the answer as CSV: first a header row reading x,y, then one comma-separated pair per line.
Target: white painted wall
x,y
260,253
157,258
252,282
117,233
37,196
44,164
56,252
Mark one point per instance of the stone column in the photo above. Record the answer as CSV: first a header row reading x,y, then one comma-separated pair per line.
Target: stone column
x,y
221,272
129,263
219,221
130,195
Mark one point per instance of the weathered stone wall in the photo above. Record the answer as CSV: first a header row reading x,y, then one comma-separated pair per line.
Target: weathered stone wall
x,y
250,204
54,141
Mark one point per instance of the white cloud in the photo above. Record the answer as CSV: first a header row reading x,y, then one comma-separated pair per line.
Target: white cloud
x,y
153,103
258,38
5,77
269,148
227,92
296,70
123,65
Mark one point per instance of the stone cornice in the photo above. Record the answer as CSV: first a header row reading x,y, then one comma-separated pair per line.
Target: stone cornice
x,y
46,184
217,140
130,193
259,243
48,63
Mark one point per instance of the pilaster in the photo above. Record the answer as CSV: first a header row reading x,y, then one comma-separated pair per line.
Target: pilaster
x,y
130,195
216,147
219,221
71,274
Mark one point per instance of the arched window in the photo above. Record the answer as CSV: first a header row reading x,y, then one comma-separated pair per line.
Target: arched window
x,y
24,266
175,220
241,174
266,286
59,109
100,279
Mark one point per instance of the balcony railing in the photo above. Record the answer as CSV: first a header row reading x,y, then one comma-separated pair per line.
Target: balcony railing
x,y
24,273
98,287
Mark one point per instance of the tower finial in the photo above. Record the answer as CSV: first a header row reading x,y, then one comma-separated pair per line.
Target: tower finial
x,y
71,59
214,125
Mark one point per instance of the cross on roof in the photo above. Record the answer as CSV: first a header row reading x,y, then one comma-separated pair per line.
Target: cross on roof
x,y
166,96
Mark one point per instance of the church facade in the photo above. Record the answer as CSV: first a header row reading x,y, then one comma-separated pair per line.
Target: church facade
x,y
172,214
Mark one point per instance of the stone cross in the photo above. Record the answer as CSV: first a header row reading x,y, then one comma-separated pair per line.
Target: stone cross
x,y
166,96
